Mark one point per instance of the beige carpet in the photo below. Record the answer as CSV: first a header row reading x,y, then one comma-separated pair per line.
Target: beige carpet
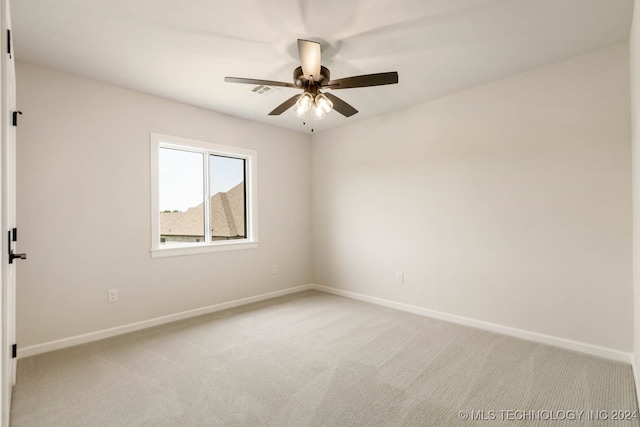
x,y
313,359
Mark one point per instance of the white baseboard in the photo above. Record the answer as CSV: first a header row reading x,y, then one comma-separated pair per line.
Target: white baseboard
x,y
594,350
581,347
106,333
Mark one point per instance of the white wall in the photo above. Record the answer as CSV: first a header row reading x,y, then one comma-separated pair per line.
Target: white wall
x,y
84,209
509,203
634,60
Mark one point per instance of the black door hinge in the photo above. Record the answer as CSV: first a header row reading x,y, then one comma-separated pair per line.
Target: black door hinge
x,y
14,351
9,42
15,117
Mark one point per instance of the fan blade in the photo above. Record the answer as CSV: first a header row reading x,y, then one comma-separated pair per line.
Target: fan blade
x,y
284,106
377,79
310,59
340,106
258,82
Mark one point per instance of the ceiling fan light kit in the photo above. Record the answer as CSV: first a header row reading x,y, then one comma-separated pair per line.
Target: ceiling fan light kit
x,y
320,105
311,76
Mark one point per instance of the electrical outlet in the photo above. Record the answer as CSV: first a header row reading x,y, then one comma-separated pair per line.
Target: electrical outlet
x,y
112,295
274,269
399,277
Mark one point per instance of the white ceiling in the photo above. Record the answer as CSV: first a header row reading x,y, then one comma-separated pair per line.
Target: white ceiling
x,y
182,50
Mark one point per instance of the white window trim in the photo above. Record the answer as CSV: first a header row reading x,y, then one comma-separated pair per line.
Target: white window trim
x,y
251,179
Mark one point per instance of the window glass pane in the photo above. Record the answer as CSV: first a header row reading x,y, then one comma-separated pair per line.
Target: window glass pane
x,y
227,193
181,197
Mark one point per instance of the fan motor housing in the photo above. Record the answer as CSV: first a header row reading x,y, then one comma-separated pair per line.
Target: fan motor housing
x,y
300,81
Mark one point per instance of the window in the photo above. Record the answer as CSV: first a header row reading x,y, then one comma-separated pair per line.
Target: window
x,y
203,197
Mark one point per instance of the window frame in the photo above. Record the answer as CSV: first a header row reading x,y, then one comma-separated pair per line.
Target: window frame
x,y
158,141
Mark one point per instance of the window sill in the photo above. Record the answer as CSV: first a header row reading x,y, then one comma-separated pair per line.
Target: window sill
x,y
201,249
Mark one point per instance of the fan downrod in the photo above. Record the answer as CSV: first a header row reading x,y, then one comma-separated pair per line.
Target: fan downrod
x,y
300,81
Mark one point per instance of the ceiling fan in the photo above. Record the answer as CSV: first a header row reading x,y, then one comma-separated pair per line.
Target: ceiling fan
x,y
311,76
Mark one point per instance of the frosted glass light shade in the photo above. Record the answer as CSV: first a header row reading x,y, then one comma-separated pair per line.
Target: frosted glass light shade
x,y
303,104
323,102
318,112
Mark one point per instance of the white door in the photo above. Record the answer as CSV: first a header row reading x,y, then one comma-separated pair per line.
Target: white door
x,y
8,209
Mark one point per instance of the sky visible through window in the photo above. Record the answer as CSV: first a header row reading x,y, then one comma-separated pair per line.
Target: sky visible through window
x,y
181,177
